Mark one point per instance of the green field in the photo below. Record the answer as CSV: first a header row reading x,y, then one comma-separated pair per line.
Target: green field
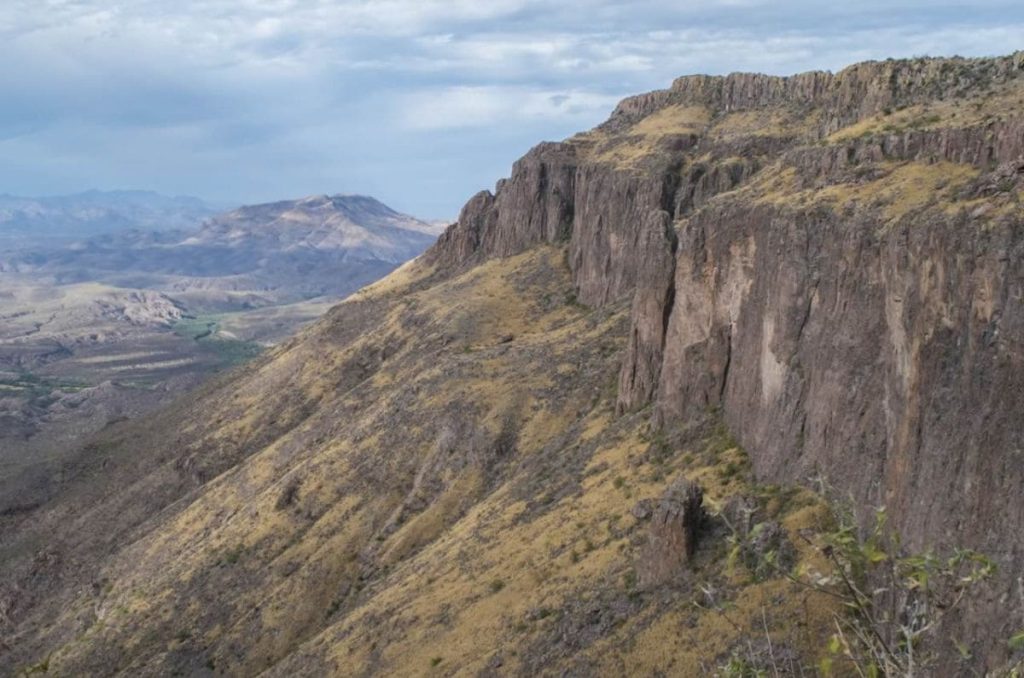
x,y
205,331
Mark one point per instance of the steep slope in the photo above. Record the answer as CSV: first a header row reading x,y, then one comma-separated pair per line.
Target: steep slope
x,y
447,473
77,354
433,475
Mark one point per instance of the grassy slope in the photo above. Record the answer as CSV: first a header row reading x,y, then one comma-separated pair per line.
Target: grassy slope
x,y
469,499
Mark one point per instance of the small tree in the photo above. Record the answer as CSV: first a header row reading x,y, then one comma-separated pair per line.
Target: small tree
x,y
897,602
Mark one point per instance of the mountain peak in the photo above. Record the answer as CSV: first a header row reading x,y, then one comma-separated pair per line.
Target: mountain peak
x,y
360,225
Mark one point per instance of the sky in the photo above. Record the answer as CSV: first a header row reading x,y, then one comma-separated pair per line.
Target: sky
x,y
420,103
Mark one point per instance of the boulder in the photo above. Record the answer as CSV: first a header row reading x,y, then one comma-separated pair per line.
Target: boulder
x,y
673,534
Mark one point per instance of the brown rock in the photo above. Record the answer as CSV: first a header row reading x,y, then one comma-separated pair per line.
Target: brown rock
x,y
673,534
643,509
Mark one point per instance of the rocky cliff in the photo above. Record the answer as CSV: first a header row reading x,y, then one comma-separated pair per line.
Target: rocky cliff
x,y
542,447
842,278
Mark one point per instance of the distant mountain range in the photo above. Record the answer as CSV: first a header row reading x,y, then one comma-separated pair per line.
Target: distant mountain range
x,y
253,256
363,227
154,294
83,215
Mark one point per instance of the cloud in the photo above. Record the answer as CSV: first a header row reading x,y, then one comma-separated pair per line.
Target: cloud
x,y
465,107
420,101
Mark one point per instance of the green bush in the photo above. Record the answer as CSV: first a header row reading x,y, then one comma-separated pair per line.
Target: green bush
x,y
896,600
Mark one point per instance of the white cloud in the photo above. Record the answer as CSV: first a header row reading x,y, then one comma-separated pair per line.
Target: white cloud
x,y
237,97
466,107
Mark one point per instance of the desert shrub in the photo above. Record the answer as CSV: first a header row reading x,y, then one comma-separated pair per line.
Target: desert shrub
x,y
894,601
897,600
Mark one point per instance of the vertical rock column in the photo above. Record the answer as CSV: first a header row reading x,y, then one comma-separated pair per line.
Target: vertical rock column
x,y
651,302
673,535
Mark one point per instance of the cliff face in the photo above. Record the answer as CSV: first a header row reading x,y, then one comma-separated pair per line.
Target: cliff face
x,y
713,135
847,287
888,361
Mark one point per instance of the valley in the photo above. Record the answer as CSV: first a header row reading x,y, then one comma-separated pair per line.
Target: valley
x,y
98,330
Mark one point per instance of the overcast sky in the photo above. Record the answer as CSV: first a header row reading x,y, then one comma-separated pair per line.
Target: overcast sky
x,y
418,102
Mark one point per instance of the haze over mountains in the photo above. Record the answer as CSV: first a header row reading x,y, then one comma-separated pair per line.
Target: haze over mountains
x,y
126,314
255,255
91,213
624,417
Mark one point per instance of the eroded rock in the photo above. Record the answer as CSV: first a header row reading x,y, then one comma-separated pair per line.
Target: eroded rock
x,y
654,289
673,534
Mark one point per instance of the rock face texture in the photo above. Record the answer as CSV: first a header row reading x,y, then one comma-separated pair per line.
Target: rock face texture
x,y
845,283
673,535
641,367
533,206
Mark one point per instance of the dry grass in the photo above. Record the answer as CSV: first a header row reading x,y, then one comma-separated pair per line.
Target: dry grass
x,y
901,188
626,149
485,564
1000,104
776,122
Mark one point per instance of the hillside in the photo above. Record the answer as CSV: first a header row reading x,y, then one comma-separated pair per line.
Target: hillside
x,y
475,466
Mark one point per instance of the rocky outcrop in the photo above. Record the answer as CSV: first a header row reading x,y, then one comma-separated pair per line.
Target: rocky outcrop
x,y
980,145
534,205
607,250
703,181
673,533
856,92
461,241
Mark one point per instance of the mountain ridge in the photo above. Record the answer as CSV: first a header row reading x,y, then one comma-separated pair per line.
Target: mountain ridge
x,y
288,250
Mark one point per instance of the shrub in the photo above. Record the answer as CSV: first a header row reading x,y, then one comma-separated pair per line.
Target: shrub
x,y
896,601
